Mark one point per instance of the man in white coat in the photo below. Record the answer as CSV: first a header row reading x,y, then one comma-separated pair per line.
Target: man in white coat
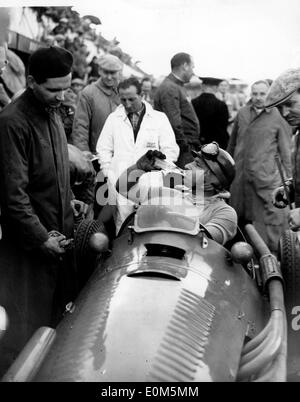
x,y
130,131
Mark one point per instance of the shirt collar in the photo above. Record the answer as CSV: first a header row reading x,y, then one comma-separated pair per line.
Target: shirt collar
x,y
138,113
175,79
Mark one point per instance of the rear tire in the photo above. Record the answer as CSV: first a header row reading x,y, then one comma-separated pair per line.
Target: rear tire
x,y
289,255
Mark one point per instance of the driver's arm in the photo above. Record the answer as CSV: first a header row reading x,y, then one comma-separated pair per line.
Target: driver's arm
x,y
128,179
131,175
223,224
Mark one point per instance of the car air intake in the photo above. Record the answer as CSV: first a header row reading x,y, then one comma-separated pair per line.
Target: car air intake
x,y
164,250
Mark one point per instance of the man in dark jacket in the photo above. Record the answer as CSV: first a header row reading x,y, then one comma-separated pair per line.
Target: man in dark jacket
x,y
212,113
171,98
36,272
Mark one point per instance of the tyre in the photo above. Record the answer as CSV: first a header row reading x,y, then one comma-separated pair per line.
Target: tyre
x,y
85,259
289,256
85,230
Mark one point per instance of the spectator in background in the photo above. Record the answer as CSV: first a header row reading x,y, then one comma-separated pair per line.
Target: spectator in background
x,y
60,40
77,86
259,135
230,99
62,27
212,113
96,102
242,99
94,68
67,111
147,90
171,98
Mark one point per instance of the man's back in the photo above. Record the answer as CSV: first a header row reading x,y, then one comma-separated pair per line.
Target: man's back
x,y
213,117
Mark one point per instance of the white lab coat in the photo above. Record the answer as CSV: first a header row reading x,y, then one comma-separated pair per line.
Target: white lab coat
x,y
116,146
117,149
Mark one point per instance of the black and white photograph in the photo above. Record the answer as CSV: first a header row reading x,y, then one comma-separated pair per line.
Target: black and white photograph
x,y
149,194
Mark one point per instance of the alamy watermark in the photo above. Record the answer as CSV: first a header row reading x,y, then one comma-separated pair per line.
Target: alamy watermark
x,y
153,188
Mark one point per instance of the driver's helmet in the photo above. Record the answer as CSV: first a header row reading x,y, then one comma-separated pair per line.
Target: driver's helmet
x,y
219,161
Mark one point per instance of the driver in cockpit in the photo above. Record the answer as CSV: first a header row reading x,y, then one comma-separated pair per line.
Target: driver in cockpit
x,y
204,182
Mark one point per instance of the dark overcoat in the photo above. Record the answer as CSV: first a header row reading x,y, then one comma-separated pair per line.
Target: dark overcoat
x,y
35,198
213,117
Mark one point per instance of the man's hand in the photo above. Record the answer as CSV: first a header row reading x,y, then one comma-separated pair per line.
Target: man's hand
x,y
52,246
294,219
147,161
79,207
279,197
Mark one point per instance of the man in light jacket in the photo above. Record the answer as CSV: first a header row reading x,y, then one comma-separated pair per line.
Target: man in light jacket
x,y
130,131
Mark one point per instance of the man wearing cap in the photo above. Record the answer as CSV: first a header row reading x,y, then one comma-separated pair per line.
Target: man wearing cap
x,y
258,137
212,113
171,98
285,94
77,85
36,274
206,179
96,102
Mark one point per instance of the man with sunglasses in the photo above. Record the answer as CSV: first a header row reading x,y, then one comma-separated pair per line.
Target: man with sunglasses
x,y
204,182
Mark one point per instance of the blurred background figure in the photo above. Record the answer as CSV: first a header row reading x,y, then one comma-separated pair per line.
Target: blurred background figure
x,y
194,87
223,93
59,40
77,86
67,111
147,90
212,113
94,68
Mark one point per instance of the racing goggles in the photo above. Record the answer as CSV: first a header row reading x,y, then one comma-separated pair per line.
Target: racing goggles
x,y
210,151
209,154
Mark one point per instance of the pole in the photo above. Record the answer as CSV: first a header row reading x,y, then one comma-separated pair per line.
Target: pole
x,y
286,190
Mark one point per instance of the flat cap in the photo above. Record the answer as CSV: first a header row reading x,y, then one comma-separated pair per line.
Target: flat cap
x,y
110,62
210,81
283,87
50,62
78,81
